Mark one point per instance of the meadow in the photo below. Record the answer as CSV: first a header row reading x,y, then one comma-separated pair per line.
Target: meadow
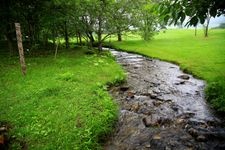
x,y
200,56
61,103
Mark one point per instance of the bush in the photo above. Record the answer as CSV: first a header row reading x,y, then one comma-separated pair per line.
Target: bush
x,y
215,95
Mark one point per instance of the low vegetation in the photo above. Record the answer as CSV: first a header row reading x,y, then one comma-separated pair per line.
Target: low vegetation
x,y
62,103
203,57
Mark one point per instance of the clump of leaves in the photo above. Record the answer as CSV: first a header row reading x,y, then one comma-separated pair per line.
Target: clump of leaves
x,y
215,94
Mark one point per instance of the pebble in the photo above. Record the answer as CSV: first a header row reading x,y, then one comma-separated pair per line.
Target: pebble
x,y
185,77
201,138
156,137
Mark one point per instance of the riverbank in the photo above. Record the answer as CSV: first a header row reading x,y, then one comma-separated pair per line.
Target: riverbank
x,y
162,108
202,57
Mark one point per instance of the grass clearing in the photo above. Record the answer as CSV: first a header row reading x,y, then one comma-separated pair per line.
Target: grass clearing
x,y
203,57
62,103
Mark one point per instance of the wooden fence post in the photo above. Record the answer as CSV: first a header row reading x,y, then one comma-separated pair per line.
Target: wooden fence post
x,y
20,48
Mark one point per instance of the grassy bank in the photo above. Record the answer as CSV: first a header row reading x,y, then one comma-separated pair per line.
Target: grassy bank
x,y
203,57
62,103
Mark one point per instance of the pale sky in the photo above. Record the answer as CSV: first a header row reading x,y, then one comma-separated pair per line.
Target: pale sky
x,y
214,22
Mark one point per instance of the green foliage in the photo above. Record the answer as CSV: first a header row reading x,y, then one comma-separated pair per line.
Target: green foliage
x,y
215,94
202,57
90,20
198,11
148,22
62,103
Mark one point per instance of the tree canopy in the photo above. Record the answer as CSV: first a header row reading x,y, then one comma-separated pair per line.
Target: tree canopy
x,y
175,11
93,20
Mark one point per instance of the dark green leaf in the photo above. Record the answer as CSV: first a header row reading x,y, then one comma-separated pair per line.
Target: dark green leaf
x,y
182,17
194,21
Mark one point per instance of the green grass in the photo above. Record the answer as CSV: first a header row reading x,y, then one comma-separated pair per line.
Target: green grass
x,y
62,103
203,57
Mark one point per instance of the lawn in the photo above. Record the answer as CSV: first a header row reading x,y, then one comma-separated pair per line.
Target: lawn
x,y
203,57
62,103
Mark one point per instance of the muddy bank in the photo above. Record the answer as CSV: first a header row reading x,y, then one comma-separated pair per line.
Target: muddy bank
x,y
162,108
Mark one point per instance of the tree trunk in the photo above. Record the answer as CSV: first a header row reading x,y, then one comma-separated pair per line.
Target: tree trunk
x,y
99,41
56,49
66,35
119,36
207,28
196,31
207,24
53,35
20,47
9,38
80,39
10,44
92,40
100,33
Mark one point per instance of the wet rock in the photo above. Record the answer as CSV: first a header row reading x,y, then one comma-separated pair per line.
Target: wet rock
x,y
130,94
220,147
201,138
164,121
167,148
168,101
153,96
193,132
175,108
135,107
156,137
184,77
148,146
3,129
157,103
180,83
187,115
124,88
197,123
156,91
180,121
150,121
145,111
172,67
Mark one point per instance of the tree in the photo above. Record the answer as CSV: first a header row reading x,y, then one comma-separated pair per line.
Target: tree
x,y
148,24
93,20
198,11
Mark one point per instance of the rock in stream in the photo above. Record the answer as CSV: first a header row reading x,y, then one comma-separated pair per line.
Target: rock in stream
x,y
162,108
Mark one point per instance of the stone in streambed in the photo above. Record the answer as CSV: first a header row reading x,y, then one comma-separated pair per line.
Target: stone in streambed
x,y
151,121
201,138
184,77
135,107
156,137
157,103
145,111
130,94
193,132
124,88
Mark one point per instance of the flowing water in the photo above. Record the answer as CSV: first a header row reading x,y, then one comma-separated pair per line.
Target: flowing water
x,y
162,108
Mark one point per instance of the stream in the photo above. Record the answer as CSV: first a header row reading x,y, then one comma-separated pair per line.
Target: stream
x,y
162,108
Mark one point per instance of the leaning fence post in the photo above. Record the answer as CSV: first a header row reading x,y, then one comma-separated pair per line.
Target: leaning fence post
x,y
20,48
